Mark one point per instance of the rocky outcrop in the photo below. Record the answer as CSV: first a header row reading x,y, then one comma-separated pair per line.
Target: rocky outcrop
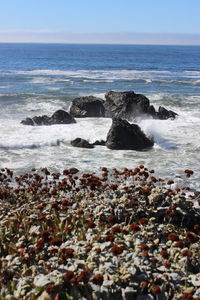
x,y
81,143
126,105
99,143
89,106
125,136
129,105
59,117
164,114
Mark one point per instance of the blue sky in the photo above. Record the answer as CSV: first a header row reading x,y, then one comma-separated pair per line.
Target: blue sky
x,y
100,21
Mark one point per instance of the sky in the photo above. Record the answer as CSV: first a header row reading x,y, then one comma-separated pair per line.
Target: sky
x,y
101,21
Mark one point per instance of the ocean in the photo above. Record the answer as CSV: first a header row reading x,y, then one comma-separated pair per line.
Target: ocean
x,y
38,79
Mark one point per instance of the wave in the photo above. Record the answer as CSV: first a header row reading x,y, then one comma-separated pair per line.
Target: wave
x,y
97,73
109,76
31,146
47,80
100,80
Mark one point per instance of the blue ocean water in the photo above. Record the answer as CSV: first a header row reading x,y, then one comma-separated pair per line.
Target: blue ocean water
x,y
37,79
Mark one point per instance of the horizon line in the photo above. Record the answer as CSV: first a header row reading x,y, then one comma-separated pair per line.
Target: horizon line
x,y
99,43
125,38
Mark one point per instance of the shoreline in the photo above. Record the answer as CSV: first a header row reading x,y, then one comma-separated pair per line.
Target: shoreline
x,y
116,235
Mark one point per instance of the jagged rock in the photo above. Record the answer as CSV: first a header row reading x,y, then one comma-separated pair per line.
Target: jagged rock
x,y
28,121
129,105
99,143
164,114
152,112
78,142
125,136
89,106
126,105
59,117
37,120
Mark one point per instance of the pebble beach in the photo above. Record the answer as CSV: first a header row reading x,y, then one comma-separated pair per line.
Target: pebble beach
x,y
111,234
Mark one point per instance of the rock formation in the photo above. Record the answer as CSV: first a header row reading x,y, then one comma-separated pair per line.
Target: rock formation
x,y
125,136
59,117
89,106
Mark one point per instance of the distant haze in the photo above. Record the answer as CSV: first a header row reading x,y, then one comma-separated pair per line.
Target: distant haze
x,y
175,22
98,38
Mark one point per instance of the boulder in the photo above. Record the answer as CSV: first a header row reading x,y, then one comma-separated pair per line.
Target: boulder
x,y
28,121
126,105
59,117
99,143
125,136
89,106
36,121
129,105
81,143
164,114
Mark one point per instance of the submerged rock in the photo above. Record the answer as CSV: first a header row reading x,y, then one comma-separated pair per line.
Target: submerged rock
x,y
125,136
88,106
59,117
81,143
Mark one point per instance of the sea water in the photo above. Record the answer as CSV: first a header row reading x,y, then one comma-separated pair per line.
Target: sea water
x,y
38,79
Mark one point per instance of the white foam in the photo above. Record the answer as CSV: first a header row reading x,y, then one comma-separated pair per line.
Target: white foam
x,y
19,136
45,106
101,74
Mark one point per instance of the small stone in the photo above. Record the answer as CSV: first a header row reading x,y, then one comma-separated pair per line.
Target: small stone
x,y
10,297
44,296
189,290
128,293
156,241
195,279
41,280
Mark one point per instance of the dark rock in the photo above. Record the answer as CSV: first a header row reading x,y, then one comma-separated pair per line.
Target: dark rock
x,y
152,112
27,121
41,120
59,117
126,105
78,142
89,106
99,143
164,114
123,135
129,105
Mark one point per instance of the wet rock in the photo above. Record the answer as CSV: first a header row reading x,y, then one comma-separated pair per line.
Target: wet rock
x,y
99,143
129,105
81,143
164,114
59,117
88,106
37,120
151,111
28,121
126,105
125,136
